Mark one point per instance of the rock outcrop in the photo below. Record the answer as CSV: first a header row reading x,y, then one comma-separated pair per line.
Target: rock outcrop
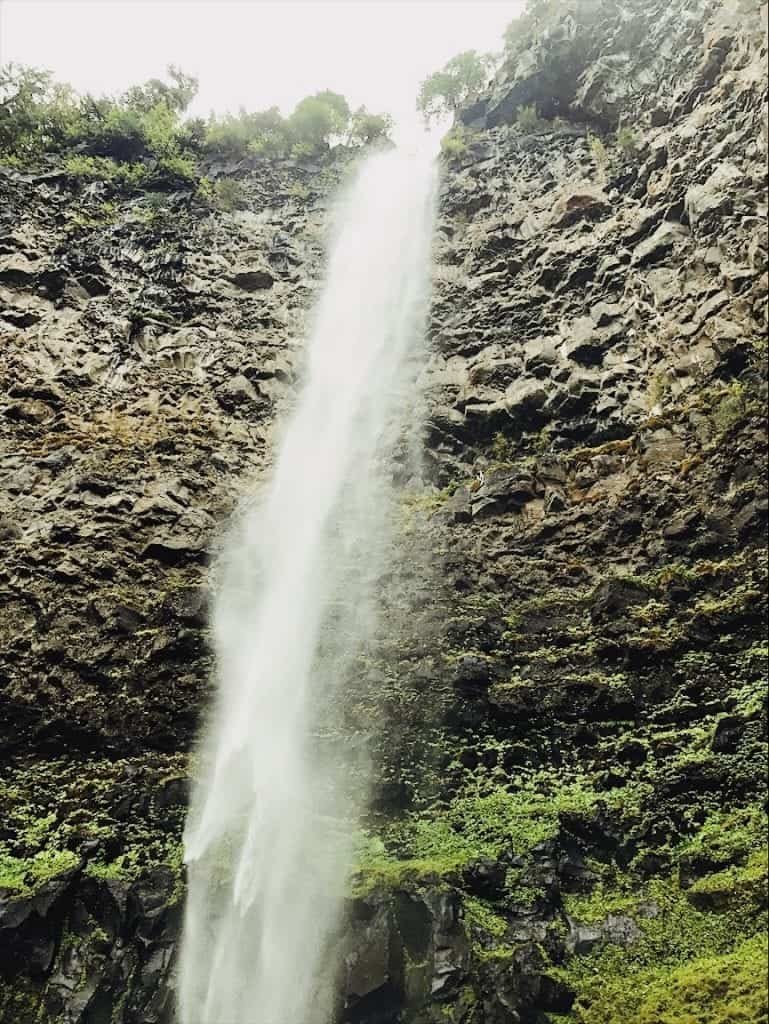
x,y
568,699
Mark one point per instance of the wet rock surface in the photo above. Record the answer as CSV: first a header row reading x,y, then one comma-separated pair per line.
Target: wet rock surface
x,y
567,705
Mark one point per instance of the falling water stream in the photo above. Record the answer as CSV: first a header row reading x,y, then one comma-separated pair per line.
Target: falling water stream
x,y
268,839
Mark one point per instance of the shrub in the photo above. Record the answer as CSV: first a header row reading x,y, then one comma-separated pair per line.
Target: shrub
x,y
112,131
454,142
100,168
229,195
627,140
527,117
598,152
242,133
732,408
177,166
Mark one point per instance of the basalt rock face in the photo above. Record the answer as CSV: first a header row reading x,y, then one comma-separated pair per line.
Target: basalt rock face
x,y
594,695
147,342
568,697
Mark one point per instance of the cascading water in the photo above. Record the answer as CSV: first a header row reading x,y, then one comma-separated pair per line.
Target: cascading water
x,y
268,837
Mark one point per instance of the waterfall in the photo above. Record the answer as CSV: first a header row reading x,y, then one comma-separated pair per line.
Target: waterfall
x,y
268,838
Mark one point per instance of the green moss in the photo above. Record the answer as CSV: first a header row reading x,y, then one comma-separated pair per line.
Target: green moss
x,y
684,934
19,1001
438,843
726,837
712,990
482,914
24,876
134,861
51,809
737,885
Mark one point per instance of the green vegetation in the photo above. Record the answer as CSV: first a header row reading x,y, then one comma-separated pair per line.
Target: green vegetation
x,y
627,140
454,142
144,133
712,990
23,876
598,152
688,965
527,117
226,194
55,810
103,168
733,407
477,824
461,78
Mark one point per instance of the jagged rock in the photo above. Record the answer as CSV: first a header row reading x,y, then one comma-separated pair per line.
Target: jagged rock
x,y
705,204
252,279
658,245
594,625
485,877
583,938
236,393
175,549
615,597
472,673
502,490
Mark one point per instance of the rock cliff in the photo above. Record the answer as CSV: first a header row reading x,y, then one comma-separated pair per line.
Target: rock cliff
x,y
568,699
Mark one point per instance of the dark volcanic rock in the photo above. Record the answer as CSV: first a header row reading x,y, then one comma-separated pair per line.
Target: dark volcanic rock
x,y
564,705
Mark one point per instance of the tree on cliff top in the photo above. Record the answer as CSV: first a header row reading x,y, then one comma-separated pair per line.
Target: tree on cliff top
x,y
458,81
176,95
145,124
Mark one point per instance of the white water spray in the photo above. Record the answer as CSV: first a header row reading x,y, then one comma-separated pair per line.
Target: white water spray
x,y
267,840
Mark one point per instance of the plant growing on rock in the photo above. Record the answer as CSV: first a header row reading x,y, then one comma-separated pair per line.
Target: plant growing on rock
x,y
99,168
229,195
599,153
627,140
527,117
454,142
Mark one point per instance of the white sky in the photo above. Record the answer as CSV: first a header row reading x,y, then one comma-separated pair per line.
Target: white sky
x,y
255,53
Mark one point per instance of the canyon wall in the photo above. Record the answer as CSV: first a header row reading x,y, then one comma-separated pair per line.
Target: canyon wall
x,y
567,701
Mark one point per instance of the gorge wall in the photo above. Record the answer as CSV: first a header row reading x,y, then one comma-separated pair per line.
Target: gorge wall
x,y
568,697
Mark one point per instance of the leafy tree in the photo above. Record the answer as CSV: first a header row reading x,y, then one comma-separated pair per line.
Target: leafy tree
x,y
313,122
176,96
366,128
459,79
36,113
142,130
338,105
238,134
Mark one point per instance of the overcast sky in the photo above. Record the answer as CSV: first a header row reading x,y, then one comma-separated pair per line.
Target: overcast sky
x,y
255,53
